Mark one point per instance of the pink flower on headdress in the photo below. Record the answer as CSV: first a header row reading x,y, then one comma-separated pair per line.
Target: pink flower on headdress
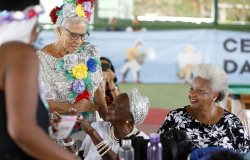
x,y
88,14
87,6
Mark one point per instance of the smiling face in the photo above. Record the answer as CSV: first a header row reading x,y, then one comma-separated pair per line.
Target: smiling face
x,y
65,40
201,94
119,110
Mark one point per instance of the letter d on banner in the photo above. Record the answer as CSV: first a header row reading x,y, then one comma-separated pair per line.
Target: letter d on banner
x,y
226,63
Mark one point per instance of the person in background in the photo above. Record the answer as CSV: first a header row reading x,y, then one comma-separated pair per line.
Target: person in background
x,y
206,124
109,80
132,63
23,117
135,21
113,21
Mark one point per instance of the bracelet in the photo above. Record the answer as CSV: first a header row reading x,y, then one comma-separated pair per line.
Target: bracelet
x,y
105,151
68,144
100,144
114,88
103,148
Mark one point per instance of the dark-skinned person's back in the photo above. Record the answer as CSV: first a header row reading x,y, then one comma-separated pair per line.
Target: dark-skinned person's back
x,y
23,117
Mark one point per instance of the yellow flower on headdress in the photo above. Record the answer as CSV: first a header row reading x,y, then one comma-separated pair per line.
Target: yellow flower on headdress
x,y
80,71
80,11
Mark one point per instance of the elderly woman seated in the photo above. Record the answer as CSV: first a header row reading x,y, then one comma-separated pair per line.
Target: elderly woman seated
x,y
125,112
206,124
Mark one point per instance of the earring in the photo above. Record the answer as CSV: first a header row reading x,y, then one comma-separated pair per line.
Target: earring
x,y
213,99
59,34
126,121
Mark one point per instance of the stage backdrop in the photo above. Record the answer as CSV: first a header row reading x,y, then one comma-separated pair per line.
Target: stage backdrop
x,y
169,56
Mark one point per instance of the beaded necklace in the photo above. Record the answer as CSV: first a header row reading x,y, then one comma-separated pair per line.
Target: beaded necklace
x,y
114,139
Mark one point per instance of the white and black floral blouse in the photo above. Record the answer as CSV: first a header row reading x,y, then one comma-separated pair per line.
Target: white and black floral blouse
x,y
229,132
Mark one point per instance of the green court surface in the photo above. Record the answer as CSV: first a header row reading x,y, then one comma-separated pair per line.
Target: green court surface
x,y
165,96
239,89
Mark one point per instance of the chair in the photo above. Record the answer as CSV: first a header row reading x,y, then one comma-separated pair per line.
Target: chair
x,y
244,116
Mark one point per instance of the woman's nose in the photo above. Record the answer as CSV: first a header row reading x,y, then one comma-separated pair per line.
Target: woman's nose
x,y
79,40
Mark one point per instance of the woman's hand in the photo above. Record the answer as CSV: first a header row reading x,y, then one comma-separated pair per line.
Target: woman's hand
x,y
109,75
55,121
85,106
82,121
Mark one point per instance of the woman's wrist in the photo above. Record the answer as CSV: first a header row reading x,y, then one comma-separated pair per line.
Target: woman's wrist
x,y
67,139
91,131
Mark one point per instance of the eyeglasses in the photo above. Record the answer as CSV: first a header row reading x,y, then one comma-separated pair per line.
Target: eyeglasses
x,y
199,91
75,36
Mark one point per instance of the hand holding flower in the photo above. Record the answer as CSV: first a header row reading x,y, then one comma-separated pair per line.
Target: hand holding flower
x,y
83,122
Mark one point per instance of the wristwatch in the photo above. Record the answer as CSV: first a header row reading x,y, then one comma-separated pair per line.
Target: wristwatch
x,y
115,88
68,144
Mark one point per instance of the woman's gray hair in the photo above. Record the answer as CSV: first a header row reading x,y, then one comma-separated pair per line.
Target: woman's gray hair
x,y
215,75
68,20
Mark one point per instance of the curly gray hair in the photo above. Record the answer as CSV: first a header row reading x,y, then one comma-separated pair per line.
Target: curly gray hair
x,y
215,75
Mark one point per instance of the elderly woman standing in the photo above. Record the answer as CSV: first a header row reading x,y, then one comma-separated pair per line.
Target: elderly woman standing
x,y
70,68
126,111
206,124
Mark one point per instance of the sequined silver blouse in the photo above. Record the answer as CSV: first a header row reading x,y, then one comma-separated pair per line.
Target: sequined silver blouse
x,y
57,85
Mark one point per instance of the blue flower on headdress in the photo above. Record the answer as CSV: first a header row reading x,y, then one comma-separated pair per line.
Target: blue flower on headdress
x,y
62,6
4,14
91,64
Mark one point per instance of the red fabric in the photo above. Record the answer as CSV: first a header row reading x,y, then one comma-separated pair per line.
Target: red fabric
x,y
81,1
53,15
32,13
84,95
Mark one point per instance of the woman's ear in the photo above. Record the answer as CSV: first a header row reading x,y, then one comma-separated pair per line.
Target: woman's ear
x,y
130,118
58,30
215,95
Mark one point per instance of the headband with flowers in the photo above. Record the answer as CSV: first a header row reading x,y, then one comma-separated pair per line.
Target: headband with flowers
x,y
70,8
21,15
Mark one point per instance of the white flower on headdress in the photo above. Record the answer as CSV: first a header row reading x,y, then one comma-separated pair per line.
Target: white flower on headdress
x,y
69,10
18,15
70,61
38,8
91,49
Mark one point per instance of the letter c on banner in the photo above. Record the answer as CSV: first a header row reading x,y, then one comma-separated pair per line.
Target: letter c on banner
x,y
225,45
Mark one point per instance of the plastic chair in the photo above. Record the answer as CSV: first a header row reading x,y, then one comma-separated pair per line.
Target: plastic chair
x,y
244,116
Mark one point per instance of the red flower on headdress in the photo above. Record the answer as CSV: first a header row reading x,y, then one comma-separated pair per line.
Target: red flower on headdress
x,y
81,1
84,95
32,13
53,15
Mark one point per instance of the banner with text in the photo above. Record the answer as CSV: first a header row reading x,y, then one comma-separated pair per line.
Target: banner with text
x,y
169,56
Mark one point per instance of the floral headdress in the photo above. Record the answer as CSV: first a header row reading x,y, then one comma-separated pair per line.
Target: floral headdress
x,y
21,15
70,8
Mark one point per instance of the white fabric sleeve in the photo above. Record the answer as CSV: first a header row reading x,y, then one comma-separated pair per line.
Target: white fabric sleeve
x,y
87,141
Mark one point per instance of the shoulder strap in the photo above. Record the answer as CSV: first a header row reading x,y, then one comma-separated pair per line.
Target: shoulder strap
x,y
168,136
